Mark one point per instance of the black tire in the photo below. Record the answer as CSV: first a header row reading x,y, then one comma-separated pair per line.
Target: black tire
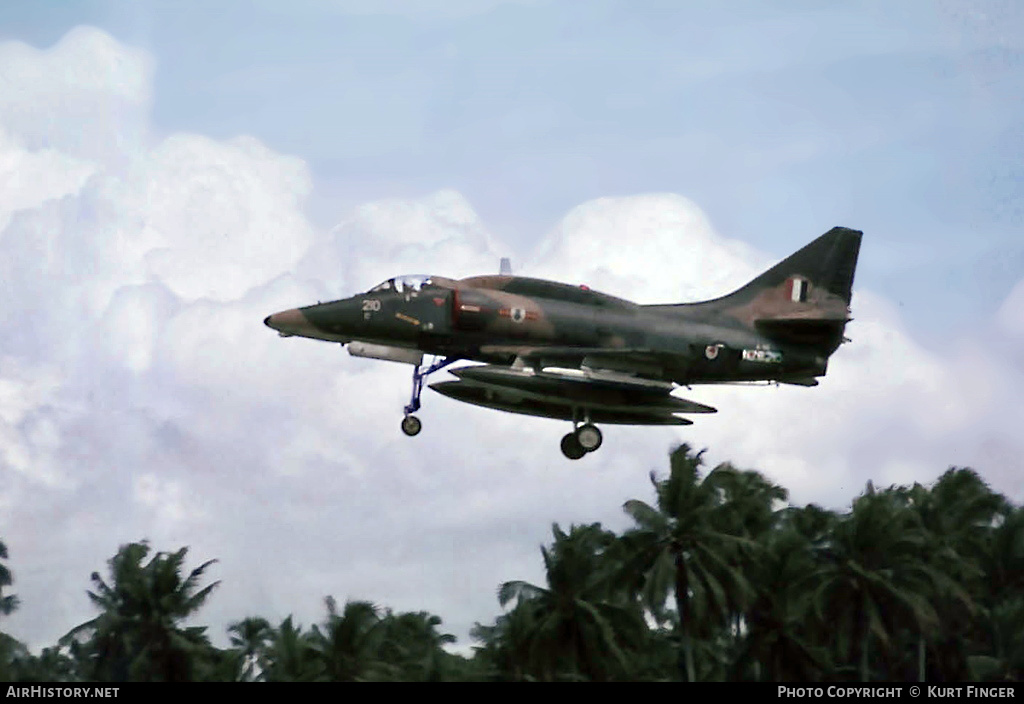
x,y
571,447
589,437
411,425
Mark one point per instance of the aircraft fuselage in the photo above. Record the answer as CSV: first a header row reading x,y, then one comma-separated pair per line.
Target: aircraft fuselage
x,y
474,320
561,351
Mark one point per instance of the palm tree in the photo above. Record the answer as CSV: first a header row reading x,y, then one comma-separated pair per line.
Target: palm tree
x,y
504,653
749,502
1006,621
51,665
690,546
750,498
777,636
957,515
291,655
960,510
349,644
1003,635
10,602
876,574
138,635
577,625
413,644
1004,557
251,636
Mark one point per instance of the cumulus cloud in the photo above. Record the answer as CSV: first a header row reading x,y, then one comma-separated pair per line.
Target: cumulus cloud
x,y
438,234
888,409
657,248
141,396
87,96
30,178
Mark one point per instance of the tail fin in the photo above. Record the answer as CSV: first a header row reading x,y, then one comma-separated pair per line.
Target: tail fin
x,y
803,299
827,263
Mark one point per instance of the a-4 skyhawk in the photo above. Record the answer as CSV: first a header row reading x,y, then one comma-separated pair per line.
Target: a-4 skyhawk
x,y
568,352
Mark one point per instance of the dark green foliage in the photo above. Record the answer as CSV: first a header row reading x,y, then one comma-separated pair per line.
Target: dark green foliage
x,y
694,545
138,635
577,627
716,580
9,602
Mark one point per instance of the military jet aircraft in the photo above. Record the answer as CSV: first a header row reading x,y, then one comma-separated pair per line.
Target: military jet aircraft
x,y
567,352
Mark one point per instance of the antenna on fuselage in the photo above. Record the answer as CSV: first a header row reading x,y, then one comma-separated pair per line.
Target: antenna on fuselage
x,y
506,266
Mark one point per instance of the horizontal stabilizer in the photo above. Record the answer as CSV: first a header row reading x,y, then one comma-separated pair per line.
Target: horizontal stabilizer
x,y
803,331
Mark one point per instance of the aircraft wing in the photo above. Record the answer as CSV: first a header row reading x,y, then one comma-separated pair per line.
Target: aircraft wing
x,y
631,360
607,397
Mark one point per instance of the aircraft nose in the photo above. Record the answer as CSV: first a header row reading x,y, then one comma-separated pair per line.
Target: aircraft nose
x,y
287,322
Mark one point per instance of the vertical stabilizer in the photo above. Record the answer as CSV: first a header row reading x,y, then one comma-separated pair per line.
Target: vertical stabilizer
x,y
803,299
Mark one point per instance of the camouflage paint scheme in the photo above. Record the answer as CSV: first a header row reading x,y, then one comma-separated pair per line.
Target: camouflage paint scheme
x,y
561,351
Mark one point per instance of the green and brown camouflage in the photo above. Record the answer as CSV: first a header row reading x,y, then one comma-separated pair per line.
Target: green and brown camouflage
x,y
562,351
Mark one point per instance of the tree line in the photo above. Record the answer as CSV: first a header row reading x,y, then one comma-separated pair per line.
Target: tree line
x,y
717,580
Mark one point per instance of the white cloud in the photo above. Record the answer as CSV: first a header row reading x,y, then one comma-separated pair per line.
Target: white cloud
x,y
888,408
28,179
216,219
141,395
656,248
439,234
29,435
86,96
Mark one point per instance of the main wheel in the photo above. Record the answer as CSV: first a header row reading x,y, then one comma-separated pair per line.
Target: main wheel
x,y
411,425
589,437
571,447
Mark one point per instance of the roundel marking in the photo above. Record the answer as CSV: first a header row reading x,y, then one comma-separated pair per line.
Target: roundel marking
x,y
711,351
518,315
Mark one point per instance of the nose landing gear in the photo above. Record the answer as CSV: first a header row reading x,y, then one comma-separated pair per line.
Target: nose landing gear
x,y
411,425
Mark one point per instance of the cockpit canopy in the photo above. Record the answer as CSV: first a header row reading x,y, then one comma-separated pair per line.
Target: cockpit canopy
x,y
403,284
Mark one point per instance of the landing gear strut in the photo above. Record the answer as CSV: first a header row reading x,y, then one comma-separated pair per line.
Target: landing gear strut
x,y
411,425
583,439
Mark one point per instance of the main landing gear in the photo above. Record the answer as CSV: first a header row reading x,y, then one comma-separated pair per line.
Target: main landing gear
x,y
411,425
583,439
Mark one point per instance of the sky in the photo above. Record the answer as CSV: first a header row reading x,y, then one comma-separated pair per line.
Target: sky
x,y
171,173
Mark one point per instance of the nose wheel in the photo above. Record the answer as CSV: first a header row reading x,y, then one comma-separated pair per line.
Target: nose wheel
x,y
411,425
586,438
